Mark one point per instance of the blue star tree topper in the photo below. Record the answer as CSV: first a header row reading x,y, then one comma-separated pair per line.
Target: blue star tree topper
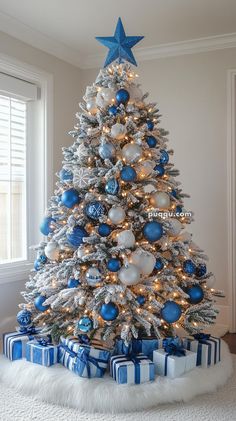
x,y
119,45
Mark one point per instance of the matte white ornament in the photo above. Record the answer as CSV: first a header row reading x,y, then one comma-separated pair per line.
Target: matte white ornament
x,y
116,215
144,169
91,106
175,226
129,275
126,239
51,250
160,200
83,177
131,152
135,93
144,260
118,131
105,96
93,277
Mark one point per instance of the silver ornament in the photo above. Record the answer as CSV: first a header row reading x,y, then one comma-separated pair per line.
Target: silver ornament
x,y
91,106
52,250
131,152
118,131
93,277
144,169
129,275
174,226
144,260
126,239
105,97
160,200
116,215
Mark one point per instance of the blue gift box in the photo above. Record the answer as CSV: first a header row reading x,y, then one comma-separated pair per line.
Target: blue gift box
x,y
66,357
207,347
132,369
46,355
14,343
74,342
144,346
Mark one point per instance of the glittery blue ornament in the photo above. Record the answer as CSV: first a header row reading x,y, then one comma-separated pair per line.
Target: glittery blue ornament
x,y
24,318
189,267
42,258
150,125
104,230
94,210
128,173
109,311
171,312
65,175
38,303
47,225
152,231
85,324
160,170
151,141
107,150
70,198
73,283
195,293
75,238
141,300
113,264
112,110
164,158
201,270
37,265
178,209
159,264
122,96
112,186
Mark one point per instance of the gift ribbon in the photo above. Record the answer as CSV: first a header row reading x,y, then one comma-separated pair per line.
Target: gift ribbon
x,y
83,339
28,330
44,341
201,336
86,359
173,348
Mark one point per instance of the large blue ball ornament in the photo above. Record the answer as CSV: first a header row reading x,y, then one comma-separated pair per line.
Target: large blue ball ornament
x,y
47,225
160,170
109,311
113,264
112,110
164,158
38,303
195,293
75,238
171,312
122,96
201,270
128,173
85,324
151,141
65,175
141,300
150,125
73,283
42,258
107,150
152,231
104,230
94,210
24,318
37,265
189,267
159,264
112,187
70,198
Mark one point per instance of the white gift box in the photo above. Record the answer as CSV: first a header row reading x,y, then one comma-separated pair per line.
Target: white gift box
x,y
171,365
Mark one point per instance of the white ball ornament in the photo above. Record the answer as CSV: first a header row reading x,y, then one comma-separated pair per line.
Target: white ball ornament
x,y
126,239
131,152
129,275
118,131
144,260
135,94
51,250
93,277
144,169
116,215
91,106
175,226
105,96
160,200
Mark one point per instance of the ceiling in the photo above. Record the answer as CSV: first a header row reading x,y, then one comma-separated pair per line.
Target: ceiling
x,y
66,28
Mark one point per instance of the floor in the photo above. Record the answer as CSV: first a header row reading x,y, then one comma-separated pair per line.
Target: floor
x,y
230,339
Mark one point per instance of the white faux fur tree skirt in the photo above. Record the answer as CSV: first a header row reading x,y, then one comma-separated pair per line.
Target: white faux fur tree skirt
x,y
59,386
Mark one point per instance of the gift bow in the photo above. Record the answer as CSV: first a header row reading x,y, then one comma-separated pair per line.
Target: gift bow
x,y
44,341
175,348
83,339
28,330
86,359
202,336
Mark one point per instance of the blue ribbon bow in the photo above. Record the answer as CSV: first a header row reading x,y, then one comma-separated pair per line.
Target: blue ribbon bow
x,y
28,330
44,341
202,336
175,348
86,359
83,339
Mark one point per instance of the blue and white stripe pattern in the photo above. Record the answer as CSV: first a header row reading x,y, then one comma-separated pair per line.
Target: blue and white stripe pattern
x,y
46,355
66,357
91,361
132,369
144,346
14,344
71,342
208,350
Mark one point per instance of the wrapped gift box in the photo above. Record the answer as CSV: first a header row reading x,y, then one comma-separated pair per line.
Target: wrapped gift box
x,y
144,346
132,370
37,353
207,348
66,357
92,361
74,342
172,365
14,343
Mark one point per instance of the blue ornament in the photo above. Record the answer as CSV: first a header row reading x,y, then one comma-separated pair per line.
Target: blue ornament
x,y
107,150
94,210
75,238
112,110
47,225
160,170
152,231
189,267
141,300
113,264
150,125
73,283
195,293
174,193
122,96
109,311
164,158
42,258
128,173
93,277
151,141
38,303
37,265
178,209
104,230
119,45
112,186
201,270
65,175
85,324
159,264
171,312
70,198
24,318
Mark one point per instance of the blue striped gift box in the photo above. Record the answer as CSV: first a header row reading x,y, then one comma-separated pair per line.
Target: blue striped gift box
x,y
92,361
208,350
144,346
71,342
41,354
66,357
132,370
14,344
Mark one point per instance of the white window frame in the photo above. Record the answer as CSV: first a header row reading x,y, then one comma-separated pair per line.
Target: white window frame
x,y
40,185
